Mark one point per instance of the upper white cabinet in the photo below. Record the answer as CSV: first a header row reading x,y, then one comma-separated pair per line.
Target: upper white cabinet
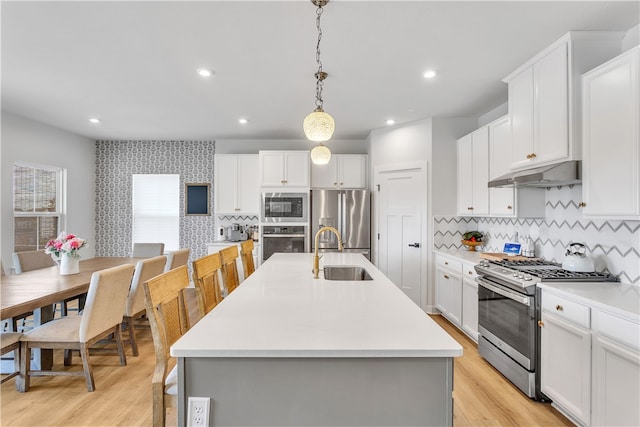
x,y
510,201
544,97
342,171
473,173
611,143
284,169
236,185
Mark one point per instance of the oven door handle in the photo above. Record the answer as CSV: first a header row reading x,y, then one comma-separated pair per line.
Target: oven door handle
x,y
283,235
505,293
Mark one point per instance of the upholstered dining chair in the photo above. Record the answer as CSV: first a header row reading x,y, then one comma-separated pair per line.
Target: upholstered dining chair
x,y
228,256
102,316
205,279
10,341
246,254
169,320
147,250
135,307
177,258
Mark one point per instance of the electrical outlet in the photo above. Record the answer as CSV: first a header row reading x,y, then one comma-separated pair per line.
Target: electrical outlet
x,y
198,412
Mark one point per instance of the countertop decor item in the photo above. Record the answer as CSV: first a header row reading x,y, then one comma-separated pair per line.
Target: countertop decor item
x,y
65,252
471,239
319,126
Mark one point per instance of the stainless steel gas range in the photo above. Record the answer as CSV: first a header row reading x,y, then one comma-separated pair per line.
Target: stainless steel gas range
x,y
508,314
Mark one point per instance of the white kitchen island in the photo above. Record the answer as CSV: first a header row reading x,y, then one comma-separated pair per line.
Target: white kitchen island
x,y
287,349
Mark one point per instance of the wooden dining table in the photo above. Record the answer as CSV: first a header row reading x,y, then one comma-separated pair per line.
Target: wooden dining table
x,y
38,290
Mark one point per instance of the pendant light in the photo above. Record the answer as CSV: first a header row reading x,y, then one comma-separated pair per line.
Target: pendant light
x,y
319,126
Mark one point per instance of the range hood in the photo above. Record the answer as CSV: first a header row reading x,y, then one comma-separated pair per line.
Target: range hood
x,y
564,173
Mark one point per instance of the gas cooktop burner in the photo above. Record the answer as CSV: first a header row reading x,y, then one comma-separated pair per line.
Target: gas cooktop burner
x,y
549,271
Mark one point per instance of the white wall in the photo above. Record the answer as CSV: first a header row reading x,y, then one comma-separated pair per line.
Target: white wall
x,y
29,141
252,146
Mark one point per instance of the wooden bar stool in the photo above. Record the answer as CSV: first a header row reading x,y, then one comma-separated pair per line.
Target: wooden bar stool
x,y
230,268
205,278
246,254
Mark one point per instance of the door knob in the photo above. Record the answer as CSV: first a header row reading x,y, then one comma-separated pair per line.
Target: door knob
x,y
414,245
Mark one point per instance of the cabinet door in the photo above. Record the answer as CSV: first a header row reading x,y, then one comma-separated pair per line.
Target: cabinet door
x,y
565,371
501,200
616,384
480,171
248,184
296,165
470,305
465,175
611,142
551,112
352,171
325,176
521,113
442,290
272,169
226,185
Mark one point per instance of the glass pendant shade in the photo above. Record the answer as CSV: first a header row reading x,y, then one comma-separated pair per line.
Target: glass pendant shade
x,y
318,126
320,155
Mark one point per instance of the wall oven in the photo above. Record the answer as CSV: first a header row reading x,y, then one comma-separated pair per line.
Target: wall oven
x,y
285,207
289,239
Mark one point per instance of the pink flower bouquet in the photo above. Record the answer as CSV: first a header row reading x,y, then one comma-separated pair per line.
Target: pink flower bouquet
x,y
68,244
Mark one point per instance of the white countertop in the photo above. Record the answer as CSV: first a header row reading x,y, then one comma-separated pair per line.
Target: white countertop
x,y
463,254
620,298
282,311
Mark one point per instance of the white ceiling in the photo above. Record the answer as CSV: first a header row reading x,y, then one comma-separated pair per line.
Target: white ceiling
x,y
133,64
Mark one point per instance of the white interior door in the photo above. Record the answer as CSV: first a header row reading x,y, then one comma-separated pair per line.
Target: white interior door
x,y
400,199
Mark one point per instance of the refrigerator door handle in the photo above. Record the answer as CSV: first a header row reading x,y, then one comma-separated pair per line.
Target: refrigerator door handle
x,y
342,222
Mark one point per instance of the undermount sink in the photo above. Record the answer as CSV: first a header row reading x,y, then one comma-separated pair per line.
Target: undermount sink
x,y
342,272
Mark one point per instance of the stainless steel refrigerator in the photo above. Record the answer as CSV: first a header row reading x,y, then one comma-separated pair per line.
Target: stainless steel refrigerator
x,y
349,211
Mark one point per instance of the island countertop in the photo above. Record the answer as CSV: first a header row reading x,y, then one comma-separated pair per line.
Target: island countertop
x,y
282,311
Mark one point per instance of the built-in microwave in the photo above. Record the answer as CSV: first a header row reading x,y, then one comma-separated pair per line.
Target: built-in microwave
x,y
285,207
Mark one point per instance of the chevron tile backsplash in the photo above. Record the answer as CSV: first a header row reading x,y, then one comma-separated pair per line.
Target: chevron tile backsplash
x,y
614,245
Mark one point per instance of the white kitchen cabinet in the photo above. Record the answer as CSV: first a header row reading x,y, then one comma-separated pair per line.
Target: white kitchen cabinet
x,y
284,169
523,202
544,97
449,288
616,371
565,366
611,138
237,186
473,173
342,171
469,301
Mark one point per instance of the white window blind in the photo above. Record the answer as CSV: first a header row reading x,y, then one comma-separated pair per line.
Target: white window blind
x,y
156,210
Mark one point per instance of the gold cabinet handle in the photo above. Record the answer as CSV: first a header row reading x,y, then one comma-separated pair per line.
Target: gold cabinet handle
x,y
446,263
559,307
470,208
509,207
540,323
582,204
335,183
470,272
531,156
445,276
237,209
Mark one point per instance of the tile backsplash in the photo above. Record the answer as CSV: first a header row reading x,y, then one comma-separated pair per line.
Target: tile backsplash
x,y
614,245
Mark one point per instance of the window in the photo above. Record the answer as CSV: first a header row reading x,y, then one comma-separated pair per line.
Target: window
x,y
156,210
37,205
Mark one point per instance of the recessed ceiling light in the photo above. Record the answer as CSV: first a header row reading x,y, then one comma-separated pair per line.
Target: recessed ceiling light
x,y
243,121
429,74
390,122
94,120
204,72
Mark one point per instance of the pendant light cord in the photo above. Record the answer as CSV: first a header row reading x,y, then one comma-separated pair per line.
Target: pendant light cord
x,y
319,75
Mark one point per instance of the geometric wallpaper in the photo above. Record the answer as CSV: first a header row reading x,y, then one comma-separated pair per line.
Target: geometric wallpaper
x,y
117,161
614,245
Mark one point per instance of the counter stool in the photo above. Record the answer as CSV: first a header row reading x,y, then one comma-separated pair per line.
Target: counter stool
x,y
246,254
230,268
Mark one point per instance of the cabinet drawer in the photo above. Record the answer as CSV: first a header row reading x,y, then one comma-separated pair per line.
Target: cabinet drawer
x,y
468,270
567,309
449,263
619,329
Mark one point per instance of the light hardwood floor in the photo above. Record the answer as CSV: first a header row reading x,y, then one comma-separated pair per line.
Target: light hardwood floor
x,y
482,397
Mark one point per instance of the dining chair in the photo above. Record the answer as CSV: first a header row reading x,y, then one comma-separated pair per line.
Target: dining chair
x,y
228,256
135,307
147,250
246,254
177,258
101,317
207,284
10,341
169,320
